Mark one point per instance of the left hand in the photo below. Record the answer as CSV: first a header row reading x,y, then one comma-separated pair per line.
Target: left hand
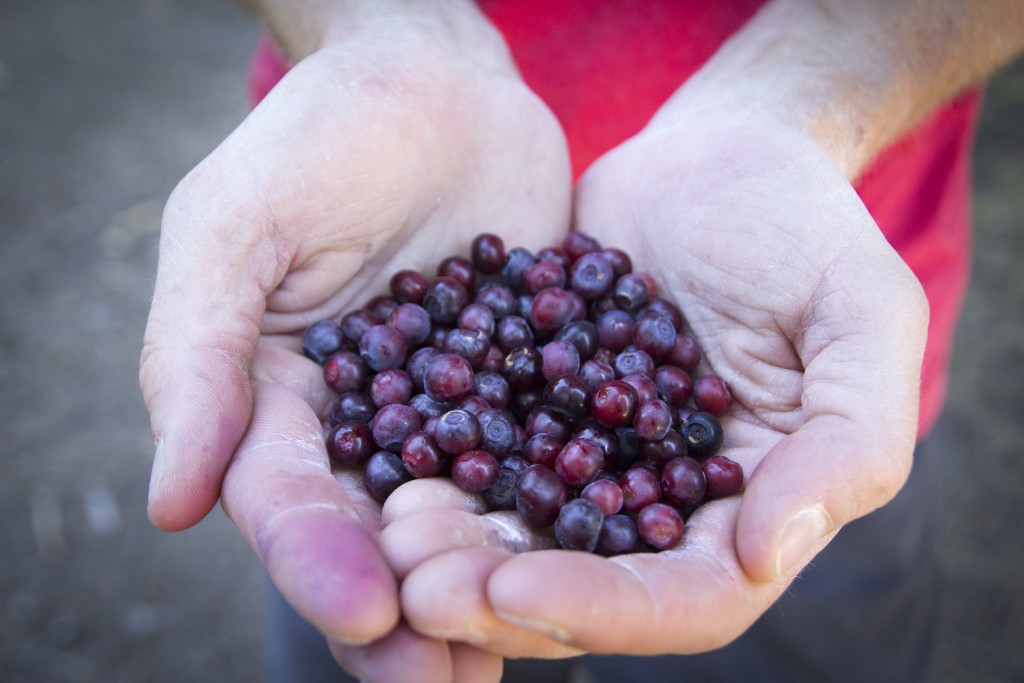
x,y
818,327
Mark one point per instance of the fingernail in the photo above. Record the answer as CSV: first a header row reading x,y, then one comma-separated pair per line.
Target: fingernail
x,y
156,477
799,535
550,630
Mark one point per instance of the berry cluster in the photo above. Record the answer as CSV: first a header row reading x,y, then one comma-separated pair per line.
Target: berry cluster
x,y
558,385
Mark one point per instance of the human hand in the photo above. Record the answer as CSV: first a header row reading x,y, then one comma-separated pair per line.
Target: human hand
x,y
384,150
817,326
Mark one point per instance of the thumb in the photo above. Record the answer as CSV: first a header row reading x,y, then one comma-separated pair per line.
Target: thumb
x,y
854,450
216,264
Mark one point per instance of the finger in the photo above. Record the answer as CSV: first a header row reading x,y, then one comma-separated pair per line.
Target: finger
x,y
692,598
216,265
415,538
473,665
435,492
280,493
446,598
401,655
862,358
404,655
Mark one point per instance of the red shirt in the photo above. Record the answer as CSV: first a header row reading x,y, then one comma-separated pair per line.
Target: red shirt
x,y
619,60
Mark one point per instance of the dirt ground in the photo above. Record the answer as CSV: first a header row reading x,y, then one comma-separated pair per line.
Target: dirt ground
x,y
103,107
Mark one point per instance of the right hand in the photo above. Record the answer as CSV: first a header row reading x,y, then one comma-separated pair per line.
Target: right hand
x,y
385,150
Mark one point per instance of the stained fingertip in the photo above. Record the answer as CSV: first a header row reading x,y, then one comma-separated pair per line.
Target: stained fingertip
x,y
331,572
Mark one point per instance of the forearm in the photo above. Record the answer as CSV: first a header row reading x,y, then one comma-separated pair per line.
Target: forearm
x,y
301,27
854,75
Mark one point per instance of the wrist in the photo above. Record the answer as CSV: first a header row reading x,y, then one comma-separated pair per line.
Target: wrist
x,y
852,76
303,27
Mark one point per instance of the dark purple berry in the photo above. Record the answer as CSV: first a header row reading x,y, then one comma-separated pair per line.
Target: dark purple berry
x,y
711,394
618,536
614,404
421,456
615,330
390,386
579,462
493,388
457,431
659,526
630,293
540,494
344,371
569,395
724,476
576,244
578,525
498,435
408,286
685,353
621,263
552,308
356,323
543,449
382,347
474,471
523,368
545,420
674,385
321,339
427,407
516,262
487,252
459,269
472,345
683,483
500,299
559,358
653,420
607,494
513,332
445,299
392,424
413,321
591,275
477,317
583,335
640,488
350,443
543,274
502,494
702,433
655,335
384,472
447,377
634,361
352,405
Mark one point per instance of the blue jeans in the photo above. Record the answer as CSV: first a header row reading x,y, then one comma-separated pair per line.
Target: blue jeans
x,y
865,610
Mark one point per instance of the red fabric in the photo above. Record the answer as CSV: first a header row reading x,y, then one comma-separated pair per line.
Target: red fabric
x,y
605,67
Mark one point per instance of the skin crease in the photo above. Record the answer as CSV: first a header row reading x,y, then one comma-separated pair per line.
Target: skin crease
x,y
797,299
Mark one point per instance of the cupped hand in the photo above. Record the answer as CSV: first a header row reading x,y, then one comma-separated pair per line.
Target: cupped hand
x,y
817,326
386,150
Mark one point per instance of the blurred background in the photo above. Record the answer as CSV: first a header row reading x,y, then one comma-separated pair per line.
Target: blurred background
x,y
104,105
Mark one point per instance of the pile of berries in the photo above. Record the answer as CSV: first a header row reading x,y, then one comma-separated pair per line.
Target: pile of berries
x,y
559,385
